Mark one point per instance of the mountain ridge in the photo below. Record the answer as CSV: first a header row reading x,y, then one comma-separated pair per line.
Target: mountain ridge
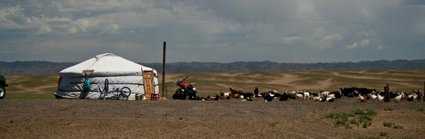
x,y
52,68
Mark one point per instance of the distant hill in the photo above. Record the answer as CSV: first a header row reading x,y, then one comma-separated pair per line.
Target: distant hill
x,y
32,67
267,66
53,68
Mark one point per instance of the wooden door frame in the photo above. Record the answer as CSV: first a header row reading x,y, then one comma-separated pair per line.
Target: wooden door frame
x,y
148,84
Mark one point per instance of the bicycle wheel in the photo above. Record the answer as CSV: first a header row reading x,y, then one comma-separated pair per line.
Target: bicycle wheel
x,y
125,92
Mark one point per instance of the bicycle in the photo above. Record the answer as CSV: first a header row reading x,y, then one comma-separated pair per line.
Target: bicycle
x,y
117,93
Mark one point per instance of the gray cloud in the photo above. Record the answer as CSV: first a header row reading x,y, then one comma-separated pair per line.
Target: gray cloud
x,y
220,31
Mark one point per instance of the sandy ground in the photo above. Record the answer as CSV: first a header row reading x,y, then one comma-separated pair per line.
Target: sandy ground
x,y
17,84
197,119
291,79
211,83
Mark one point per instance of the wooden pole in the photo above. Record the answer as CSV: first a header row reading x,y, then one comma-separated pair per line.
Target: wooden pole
x,y
163,68
423,93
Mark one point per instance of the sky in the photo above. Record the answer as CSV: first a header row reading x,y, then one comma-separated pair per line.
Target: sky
x,y
286,31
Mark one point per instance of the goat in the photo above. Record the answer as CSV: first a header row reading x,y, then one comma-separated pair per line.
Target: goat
x,y
373,95
317,98
362,98
298,95
337,94
284,97
412,96
292,94
330,98
380,97
225,95
354,91
399,97
325,96
247,96
325,93
235,93
271,95
306,95
211,98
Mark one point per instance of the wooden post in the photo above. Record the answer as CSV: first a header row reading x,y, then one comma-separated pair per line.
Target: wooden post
x,y
387,93
163,68
423,93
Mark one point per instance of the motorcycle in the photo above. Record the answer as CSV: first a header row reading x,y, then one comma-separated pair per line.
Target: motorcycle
x,y
185,90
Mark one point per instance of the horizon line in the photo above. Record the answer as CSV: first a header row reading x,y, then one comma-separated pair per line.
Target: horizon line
x,y
264,61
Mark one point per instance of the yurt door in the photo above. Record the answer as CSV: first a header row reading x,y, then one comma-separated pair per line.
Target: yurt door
x,y
148,83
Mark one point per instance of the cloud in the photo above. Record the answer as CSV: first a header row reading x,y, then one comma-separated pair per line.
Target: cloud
x,y
5,11
220,30
291,39
365,40
6,23
352,46
329,40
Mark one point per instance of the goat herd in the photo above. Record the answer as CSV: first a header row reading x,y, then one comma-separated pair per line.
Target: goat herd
x,y
361,94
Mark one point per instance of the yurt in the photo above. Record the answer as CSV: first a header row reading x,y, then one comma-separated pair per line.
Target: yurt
x,y
105,76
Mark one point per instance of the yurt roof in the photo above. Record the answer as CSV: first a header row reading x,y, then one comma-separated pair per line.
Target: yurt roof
x,y
106,64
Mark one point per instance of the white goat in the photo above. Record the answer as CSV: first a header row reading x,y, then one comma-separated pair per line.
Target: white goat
x,y
316,97
325,93
412,96
306,95
330,97
362,98
380,98
226,94
298,95
373,95
399,97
